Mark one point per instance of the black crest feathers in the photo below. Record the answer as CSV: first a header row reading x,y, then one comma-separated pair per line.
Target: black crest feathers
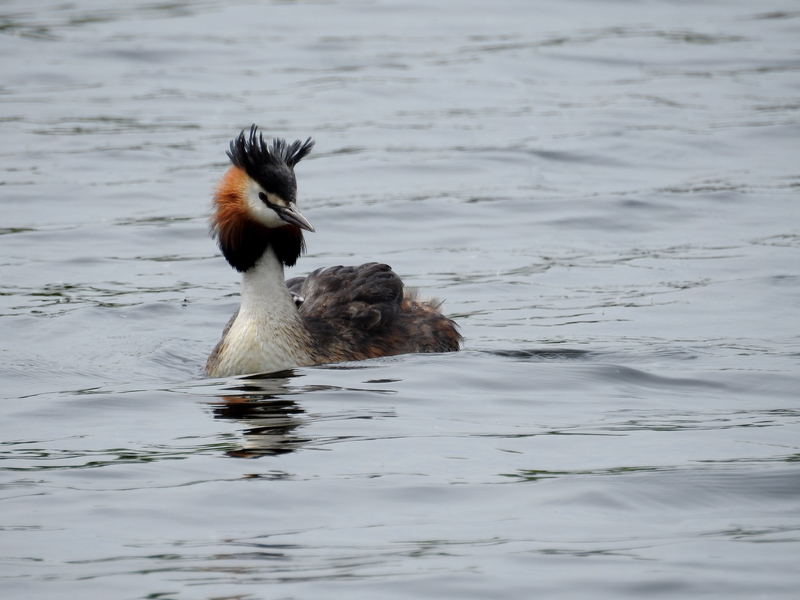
x,y
251,152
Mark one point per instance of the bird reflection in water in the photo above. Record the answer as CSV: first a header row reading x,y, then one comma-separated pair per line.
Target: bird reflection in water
x,y
269,418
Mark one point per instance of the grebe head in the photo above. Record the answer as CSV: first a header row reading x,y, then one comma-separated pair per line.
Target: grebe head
x,y
256,201
270,189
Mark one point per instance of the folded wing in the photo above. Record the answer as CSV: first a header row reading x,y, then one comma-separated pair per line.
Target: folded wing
x,y
362,312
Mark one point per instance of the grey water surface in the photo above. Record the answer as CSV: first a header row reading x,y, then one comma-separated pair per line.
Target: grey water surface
x,y
606,194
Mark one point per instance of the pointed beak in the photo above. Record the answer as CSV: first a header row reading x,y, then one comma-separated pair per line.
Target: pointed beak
x,y
293,216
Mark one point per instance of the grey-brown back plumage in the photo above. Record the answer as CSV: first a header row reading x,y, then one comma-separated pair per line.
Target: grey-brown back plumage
x,y
362,312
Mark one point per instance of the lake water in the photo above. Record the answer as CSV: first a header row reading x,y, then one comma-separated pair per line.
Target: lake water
x,y
607,196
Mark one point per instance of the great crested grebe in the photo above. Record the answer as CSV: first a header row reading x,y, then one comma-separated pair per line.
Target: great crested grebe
x,y
332,315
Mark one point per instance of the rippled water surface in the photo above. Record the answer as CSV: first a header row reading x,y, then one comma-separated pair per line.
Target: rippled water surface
x,y
606,195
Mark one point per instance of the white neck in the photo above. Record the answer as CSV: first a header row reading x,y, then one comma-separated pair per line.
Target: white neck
x,y
268,334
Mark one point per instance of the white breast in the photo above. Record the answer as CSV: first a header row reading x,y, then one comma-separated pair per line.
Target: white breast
x,y
268,334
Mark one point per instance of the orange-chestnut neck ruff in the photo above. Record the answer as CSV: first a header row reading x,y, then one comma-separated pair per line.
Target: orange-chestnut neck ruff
x,y
242,239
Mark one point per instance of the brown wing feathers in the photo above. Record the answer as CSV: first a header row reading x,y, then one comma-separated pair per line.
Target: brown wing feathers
x,y
369,296
360,312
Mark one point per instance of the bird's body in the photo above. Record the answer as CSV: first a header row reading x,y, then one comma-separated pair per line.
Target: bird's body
x,y
332,315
